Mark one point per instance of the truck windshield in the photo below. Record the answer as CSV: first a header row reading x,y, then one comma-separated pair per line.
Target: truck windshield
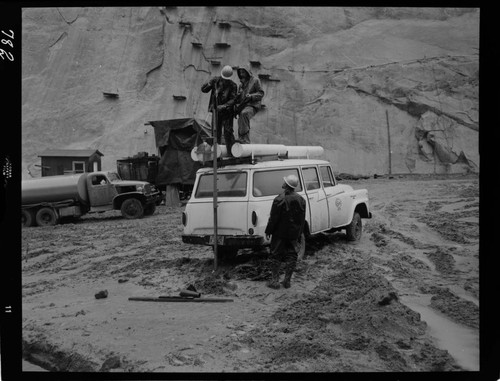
x,y
113,176
268,183
229,184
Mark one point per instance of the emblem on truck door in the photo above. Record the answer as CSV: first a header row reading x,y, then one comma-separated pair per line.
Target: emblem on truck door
x,y
338,203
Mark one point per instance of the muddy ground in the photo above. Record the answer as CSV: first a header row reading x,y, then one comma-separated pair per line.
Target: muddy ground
x,y
404,298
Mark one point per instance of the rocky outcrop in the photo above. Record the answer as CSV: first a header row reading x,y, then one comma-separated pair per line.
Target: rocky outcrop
x,y
349,79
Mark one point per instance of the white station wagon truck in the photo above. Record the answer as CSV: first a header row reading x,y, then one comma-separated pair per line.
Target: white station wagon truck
x,y
245,195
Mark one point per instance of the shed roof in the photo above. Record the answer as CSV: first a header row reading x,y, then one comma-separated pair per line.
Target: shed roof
x,y
69,153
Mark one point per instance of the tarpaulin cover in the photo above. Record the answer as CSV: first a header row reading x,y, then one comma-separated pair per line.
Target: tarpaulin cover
x,y
175,139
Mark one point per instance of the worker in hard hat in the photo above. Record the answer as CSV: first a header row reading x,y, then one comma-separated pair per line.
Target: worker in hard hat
x,y
285,227
250,94
222,98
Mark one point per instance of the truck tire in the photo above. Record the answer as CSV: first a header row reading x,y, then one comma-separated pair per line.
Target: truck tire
x,y
132,208
149,209
27,218
355,228
46,217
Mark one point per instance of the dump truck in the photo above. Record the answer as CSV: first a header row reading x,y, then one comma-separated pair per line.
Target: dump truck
x,y
47,200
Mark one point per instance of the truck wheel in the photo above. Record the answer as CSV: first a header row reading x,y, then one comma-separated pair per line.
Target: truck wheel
x,y
149,209
46,217
27,218
302,251
132,208
355,228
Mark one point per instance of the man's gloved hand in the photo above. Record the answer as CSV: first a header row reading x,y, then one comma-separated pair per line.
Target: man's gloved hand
x,y
221,108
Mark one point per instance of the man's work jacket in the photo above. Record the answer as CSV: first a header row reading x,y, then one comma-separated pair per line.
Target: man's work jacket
x,y
253,88
226,90
287,217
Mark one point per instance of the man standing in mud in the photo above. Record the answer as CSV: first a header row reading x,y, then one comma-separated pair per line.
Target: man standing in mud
x,y
285,226
250,94
222,98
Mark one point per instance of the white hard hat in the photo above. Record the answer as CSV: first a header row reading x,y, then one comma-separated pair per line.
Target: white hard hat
x,y
292,181
226,72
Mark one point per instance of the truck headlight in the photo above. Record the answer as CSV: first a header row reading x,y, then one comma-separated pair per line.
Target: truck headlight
x,y
144,188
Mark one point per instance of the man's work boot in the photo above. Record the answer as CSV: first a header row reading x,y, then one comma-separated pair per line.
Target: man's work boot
x,y
288,277
275,277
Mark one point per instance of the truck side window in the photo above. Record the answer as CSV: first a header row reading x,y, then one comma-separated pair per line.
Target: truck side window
x,y
268,183
311,178
326,176
99,180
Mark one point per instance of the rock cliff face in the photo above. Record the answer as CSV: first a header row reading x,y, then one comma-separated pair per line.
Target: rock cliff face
x,y
353,80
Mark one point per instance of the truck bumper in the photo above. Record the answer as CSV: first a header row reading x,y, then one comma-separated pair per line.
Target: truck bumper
x,y
240,241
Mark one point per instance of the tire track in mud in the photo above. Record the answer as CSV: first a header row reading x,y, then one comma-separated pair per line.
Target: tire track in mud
x,y
417,263
355,312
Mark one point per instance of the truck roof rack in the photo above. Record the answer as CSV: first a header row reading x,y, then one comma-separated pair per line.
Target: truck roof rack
x,y
222,162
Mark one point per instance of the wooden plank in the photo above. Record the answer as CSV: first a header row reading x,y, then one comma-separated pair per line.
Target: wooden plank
x,y
110,95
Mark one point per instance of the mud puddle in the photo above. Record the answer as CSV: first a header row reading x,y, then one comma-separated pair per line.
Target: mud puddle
x,y
29,367
461,342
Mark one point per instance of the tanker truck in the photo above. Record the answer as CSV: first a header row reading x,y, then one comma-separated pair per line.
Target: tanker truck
x,y
47,200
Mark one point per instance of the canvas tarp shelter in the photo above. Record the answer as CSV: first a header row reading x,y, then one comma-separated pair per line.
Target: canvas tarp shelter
x,y
175,138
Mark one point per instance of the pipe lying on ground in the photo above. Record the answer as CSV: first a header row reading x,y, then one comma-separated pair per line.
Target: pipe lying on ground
x,y
177,299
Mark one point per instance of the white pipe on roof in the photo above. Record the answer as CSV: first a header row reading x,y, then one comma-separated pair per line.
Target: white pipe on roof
x,y
304,151
197,152
245,150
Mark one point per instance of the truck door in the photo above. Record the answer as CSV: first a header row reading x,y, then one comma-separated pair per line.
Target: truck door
x,y
317,199
101,191
336,196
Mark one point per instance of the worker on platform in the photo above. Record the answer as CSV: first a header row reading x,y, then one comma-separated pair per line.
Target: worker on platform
x,y
222,98
285,226
250,94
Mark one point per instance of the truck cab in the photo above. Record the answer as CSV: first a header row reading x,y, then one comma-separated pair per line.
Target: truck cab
x,y
245,195
106,191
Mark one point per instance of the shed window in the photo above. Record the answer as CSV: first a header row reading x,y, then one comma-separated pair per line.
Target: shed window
x,y
79,166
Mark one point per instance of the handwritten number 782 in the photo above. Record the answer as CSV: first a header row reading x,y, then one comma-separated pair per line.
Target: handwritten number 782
x,y
9,43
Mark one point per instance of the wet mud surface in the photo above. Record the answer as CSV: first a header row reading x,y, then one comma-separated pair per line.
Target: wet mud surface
x,y
352,307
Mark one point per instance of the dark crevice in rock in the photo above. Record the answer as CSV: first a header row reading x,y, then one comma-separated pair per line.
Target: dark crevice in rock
x,y
66,21
415,109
